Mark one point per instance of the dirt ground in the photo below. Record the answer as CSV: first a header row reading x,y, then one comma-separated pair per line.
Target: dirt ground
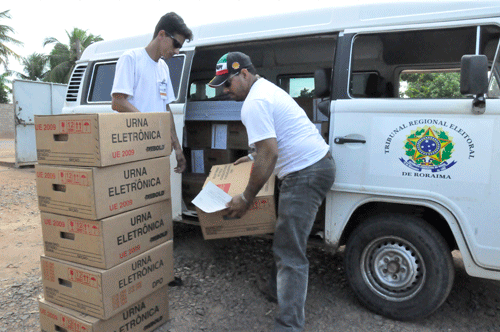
x,y
219,291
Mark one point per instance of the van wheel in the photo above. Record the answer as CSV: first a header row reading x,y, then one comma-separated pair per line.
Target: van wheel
x,y
399,266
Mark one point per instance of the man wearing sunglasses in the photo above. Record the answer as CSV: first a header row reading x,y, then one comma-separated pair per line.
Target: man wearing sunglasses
x,y
287,144
142,80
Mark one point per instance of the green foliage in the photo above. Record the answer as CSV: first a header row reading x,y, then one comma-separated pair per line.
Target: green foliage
x,y
432,85
306,93
5,38
63,57
4,88
35,67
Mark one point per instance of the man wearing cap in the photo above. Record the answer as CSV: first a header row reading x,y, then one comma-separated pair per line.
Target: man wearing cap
x,y
142,80
288,144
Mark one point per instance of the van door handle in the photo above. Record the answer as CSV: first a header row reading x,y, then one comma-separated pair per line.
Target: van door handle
x,y
343,140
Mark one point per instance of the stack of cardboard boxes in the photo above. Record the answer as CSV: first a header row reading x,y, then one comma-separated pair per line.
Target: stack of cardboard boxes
x,y
212,147
103,183
210,143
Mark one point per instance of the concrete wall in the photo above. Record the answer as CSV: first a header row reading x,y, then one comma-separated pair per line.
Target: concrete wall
x,y
7,121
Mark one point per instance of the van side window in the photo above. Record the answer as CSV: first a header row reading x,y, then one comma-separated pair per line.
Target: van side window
x,y
199,91
421,64
301,89
102,82
494,87
430,84
297,86
104,74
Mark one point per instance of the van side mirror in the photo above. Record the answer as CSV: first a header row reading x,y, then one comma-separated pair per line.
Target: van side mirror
x,y
474,75
474,80
322,82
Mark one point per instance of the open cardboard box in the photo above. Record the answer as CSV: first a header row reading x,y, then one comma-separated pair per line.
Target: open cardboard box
x,y
259,219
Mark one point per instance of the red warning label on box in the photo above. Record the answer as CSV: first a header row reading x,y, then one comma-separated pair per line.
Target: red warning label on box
x,y
48,271
75,127
72,325
224,187
80,227
75,178
259,204
83,278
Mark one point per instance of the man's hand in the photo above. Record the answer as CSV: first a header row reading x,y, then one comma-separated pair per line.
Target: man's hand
x,y
181,161
241,160
237,207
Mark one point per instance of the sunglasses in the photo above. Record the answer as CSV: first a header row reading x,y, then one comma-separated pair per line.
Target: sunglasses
x,y
227,83
177,44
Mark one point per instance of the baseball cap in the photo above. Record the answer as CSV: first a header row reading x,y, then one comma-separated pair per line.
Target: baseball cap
x,y
231,63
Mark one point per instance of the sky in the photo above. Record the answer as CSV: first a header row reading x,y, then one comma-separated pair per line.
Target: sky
x,y
35,20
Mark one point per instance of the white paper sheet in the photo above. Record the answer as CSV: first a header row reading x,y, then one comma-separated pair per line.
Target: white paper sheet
x,y
211,199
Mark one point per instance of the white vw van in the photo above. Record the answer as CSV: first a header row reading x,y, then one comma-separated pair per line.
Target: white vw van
x,y
413,126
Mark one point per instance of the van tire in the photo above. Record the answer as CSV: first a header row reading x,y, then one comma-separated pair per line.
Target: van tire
x,y
399,266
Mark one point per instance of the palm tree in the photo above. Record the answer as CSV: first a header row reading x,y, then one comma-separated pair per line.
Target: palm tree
x,y
35,66
5,52
63,57
4,88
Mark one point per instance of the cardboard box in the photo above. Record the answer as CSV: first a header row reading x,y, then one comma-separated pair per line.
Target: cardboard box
x,y
229,135
145,315
101,139
107,242
259,219
198,134
237,137
191,186
96,193
202,160
307,105
103,293
218,157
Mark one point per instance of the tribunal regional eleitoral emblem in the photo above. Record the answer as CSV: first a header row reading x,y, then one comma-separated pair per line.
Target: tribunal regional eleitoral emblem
x,y
428,149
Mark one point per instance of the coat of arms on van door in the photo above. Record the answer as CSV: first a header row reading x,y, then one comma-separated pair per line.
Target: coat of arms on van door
x,y
428,148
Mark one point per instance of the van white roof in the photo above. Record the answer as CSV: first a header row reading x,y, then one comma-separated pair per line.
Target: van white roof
x,y
309,22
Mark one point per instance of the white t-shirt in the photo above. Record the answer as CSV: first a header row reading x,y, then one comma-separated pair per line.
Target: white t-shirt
x,y
146,82
268,111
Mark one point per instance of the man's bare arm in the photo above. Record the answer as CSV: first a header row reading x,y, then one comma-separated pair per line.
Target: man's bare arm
x,y
265,161
120,103
176,145
173,134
